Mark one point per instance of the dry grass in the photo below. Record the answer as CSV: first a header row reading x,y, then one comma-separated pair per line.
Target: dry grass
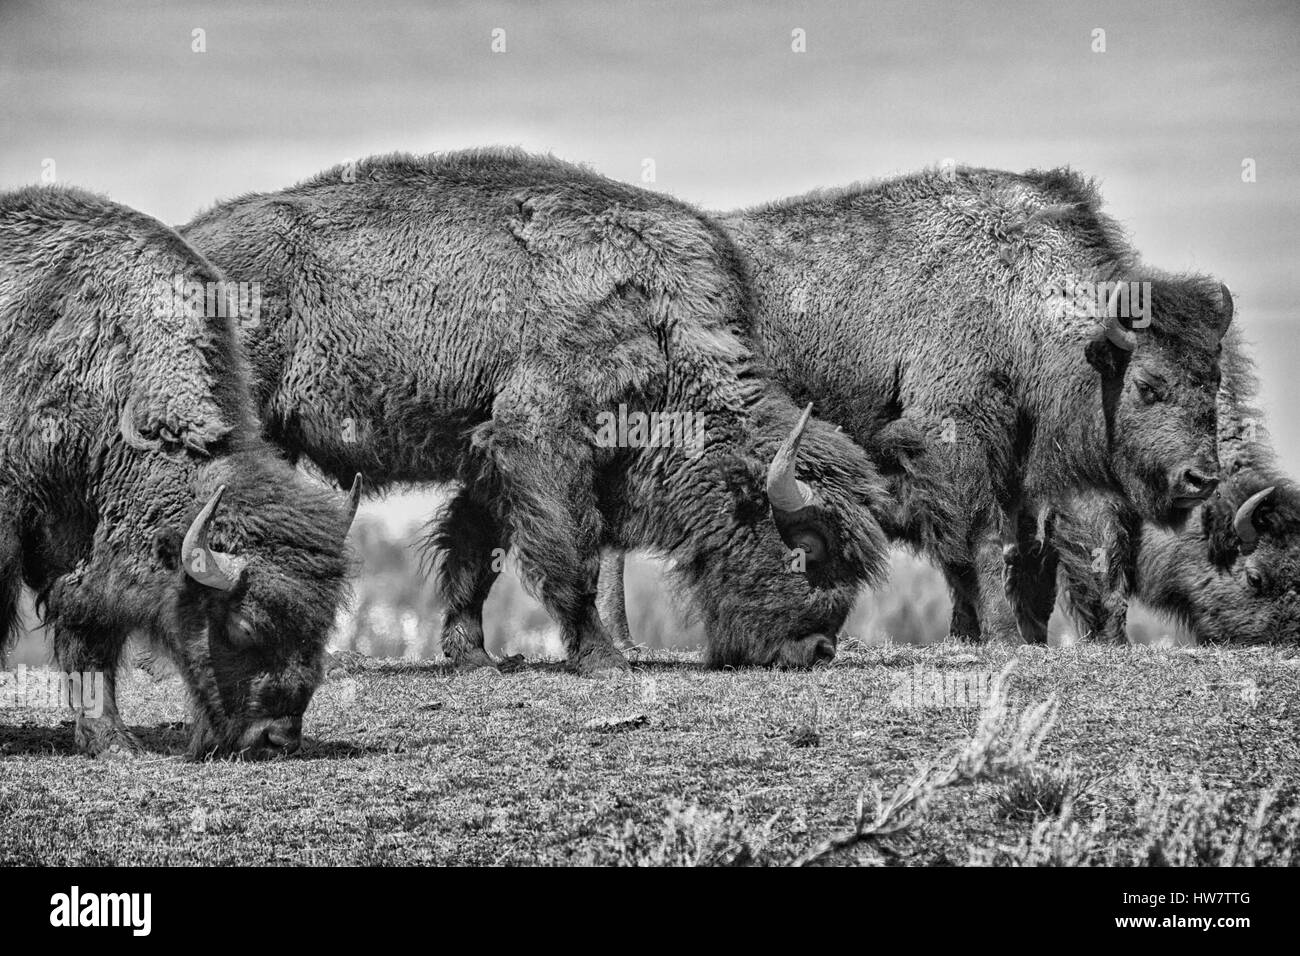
x,y
1185,757
1038,791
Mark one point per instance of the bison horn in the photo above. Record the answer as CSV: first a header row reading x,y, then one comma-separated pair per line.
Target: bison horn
x,y
786,492
1225,309
1244,520
1119,336
790,496
215,569
354,502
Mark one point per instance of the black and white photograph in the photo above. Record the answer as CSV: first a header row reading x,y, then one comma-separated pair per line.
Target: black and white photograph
x,y
649,434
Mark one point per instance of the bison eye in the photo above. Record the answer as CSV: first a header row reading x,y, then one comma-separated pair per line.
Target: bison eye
x,y
1255,579
241,631
1147,392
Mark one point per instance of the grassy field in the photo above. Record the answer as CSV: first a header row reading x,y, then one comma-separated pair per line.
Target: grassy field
x,y
1087,755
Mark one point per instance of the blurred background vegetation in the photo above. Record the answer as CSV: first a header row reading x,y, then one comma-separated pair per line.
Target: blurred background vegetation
x,y
395,612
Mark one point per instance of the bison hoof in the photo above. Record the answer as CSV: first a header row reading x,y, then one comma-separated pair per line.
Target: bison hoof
x,y
106,738
606,664
623,641
474,660
811,651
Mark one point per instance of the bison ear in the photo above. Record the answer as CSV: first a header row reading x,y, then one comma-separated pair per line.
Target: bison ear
x,y
744,479
1102,356
167,548
1108,346
1106,357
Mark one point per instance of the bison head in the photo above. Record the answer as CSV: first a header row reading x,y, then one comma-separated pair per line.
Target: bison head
x,y
776,585
1158,388
258,574
1248,591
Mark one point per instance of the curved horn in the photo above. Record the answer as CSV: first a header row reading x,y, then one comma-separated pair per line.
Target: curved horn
x,y
1119,336
354,502
1225,309
1243,521
214,569
784,490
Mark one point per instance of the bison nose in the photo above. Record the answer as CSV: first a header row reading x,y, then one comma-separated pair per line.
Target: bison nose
x,y
807,651
283,735
1194,483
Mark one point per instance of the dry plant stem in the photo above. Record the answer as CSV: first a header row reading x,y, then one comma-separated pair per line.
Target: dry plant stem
x,y
993,751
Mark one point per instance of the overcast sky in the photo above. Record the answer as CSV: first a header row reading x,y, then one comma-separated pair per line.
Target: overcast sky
x,y
116,96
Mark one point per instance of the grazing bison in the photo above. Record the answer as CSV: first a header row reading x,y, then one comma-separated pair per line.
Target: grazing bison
x,y
135,490
1230,574
1003,319
569,351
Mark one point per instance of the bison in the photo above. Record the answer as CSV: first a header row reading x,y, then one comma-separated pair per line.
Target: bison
x,y
136,493
570,352
965,307
1230,574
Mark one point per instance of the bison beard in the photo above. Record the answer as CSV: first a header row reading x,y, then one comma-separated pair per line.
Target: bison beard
x,y
497,305
136,493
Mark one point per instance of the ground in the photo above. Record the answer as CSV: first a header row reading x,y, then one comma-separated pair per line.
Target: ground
x,y
1176,756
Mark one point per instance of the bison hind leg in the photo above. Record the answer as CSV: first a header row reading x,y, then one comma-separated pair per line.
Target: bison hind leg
x,y
11,573
468,546
611,600
544,460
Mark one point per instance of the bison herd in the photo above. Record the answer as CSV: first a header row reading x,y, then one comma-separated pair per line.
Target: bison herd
x,y
1000,384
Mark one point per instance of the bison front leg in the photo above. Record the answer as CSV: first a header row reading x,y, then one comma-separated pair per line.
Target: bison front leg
x,y
545,462
997,620
1120,575
611,600
105,735
1029,563
86,646
1098,613
1029,584
1113,626
91,669
1114,629
964,585
470,546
